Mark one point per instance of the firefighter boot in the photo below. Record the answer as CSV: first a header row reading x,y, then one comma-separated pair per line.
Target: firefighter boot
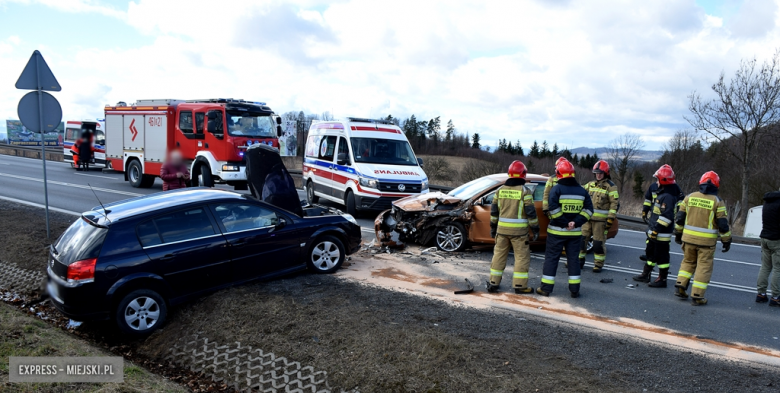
x,y
520,291
660,282
646,274
490,287
681,291
542,292
698,301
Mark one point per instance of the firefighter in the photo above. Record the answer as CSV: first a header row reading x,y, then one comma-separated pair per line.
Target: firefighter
x,y
511,215
660,227
650,195
604,194
570,208
551,182
701,217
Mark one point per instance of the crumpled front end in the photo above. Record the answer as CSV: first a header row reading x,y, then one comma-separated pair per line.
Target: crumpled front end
x,y
415,220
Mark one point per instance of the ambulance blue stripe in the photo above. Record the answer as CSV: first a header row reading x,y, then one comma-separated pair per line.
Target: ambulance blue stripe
x,y
348,169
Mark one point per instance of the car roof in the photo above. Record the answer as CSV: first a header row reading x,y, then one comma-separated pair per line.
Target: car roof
x,y
165,200
529,177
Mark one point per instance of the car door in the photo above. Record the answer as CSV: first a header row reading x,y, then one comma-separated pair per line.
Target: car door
x,y
260,240
479,231
187,249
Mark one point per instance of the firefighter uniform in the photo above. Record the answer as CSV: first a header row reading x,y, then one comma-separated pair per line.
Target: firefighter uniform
x,y
660,228
551,182
604,195
512,214
702,216
568,202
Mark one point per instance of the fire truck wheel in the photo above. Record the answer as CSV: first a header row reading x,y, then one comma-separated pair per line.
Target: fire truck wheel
x,y
135,173
349,202
204,177
310,193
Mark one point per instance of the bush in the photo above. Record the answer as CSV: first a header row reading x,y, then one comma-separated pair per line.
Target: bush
x,y
437,169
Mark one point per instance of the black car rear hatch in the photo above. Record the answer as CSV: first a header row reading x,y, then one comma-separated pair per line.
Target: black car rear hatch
x,y
82,240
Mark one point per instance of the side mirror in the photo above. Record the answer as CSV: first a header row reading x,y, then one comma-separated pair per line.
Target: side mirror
x,y
211,125
479,202
278,120
282,223
420,162
343,159
278,130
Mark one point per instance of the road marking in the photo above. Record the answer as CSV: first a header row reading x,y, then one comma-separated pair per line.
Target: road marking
x,y
679,253
716,284
33,204
36,159
72,185
733,244
102,177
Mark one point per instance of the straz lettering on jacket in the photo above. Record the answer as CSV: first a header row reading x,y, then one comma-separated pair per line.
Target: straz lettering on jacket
x,y
570,204
701,203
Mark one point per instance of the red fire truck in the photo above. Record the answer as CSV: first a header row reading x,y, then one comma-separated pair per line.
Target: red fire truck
x,y
211,134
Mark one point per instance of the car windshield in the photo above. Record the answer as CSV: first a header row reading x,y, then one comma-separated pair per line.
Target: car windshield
x,y
474,187
383,151
247,124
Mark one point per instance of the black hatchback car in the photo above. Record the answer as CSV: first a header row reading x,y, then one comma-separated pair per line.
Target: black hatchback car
x,y
129,261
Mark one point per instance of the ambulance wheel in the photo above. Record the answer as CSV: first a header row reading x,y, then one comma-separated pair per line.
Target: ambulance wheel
x,y
451,237
310,197
349,203
204,177
135,174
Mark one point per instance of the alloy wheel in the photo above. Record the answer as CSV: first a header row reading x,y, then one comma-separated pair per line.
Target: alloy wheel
x,y
325,255
142,313
449,238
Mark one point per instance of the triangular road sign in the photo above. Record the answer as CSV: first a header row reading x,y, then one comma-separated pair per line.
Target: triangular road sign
x,y
34,69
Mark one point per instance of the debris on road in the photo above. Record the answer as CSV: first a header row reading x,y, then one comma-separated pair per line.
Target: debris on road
x,y
606,280
469,288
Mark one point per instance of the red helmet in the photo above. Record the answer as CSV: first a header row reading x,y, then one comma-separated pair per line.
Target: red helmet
x,y
601,167
665,175
711,177
517,170
558,161
564,169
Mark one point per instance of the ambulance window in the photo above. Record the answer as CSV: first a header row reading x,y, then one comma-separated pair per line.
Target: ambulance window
x,y
199,122
327,147
343,152
185,122
100,137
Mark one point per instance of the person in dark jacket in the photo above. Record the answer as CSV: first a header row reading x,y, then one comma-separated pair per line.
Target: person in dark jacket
x,y
570,208
85,151
174,173
770,250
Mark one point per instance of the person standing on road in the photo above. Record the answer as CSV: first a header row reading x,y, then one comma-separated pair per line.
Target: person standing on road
x,y
701,217
85,150
570,208
660,228
770,250
174,173
650,196
551,182
604,194
511,214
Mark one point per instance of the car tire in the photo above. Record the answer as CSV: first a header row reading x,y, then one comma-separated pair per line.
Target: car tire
x,y
310,196
326,255
141,312
135,174
349,203
451,237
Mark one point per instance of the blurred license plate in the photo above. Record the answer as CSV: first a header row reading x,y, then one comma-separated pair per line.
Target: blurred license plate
x,y
54,291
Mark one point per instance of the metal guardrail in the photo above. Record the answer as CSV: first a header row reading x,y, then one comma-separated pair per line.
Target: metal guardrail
x,y
50,149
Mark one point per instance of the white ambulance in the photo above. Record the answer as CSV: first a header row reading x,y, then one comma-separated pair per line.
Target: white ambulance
x,y
361,164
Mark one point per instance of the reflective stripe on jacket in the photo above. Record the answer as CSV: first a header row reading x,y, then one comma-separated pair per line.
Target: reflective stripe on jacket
x,y
604,195
513,210
701,218
569,202
551,182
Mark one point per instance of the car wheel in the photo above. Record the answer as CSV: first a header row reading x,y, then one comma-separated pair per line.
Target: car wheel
x,y
141,312
451,237
204,178
310,193
326,255
349,203
135,174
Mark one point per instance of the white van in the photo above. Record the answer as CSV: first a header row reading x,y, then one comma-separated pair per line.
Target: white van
x,y
361,164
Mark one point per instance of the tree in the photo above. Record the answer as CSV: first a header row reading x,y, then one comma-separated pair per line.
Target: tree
x,y
534,151
326,116
554,151
450,132
685,154
545,152
475,141
639,182
410,127
622,156
519,149
744,112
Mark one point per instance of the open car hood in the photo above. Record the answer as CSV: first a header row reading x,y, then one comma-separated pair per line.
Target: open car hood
x,y
425,202
269,179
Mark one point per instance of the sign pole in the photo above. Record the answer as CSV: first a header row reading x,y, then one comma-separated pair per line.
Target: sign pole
x,y
43,142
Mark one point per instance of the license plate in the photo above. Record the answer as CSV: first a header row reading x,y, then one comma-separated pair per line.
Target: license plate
x,y
54,291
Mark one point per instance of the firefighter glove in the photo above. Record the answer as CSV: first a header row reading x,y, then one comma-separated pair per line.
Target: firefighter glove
x,y
546,213
535,236
678,238
493,231
654,235
644,217
726,246
610,221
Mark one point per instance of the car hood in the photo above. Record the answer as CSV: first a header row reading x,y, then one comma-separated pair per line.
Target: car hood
x,y
269,179
385,172
425,202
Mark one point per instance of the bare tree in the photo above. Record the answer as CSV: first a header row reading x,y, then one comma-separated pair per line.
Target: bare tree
x,y
685,153
744,112
622,155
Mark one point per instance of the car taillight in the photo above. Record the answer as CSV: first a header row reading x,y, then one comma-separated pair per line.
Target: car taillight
x,y
82,270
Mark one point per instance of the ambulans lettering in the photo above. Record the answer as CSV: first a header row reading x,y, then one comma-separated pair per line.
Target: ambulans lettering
x,y
388,172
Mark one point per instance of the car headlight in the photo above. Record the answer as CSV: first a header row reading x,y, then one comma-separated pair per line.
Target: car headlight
x,y
424,185
350,218
229,168
366,182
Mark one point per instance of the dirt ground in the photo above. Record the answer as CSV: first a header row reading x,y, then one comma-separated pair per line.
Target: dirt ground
x,y
378,340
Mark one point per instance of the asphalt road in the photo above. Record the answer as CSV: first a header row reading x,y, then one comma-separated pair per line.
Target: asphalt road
x,y
731,315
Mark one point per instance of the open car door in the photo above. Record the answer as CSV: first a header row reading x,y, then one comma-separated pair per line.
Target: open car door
x,y
269,179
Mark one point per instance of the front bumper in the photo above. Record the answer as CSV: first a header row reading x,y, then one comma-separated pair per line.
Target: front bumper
x,y
374,203
239,175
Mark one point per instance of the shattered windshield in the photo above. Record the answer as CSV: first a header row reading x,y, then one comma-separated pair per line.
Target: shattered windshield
x,y
248,124
474,187
383,151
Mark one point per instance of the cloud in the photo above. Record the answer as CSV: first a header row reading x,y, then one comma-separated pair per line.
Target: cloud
x,y
754,19
75,6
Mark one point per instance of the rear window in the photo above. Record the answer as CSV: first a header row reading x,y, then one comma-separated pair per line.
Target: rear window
x,y
80,241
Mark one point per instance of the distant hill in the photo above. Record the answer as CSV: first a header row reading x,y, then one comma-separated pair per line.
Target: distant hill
x,y
644,155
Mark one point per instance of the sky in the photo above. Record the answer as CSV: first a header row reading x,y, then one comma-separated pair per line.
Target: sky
x,y
575,73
